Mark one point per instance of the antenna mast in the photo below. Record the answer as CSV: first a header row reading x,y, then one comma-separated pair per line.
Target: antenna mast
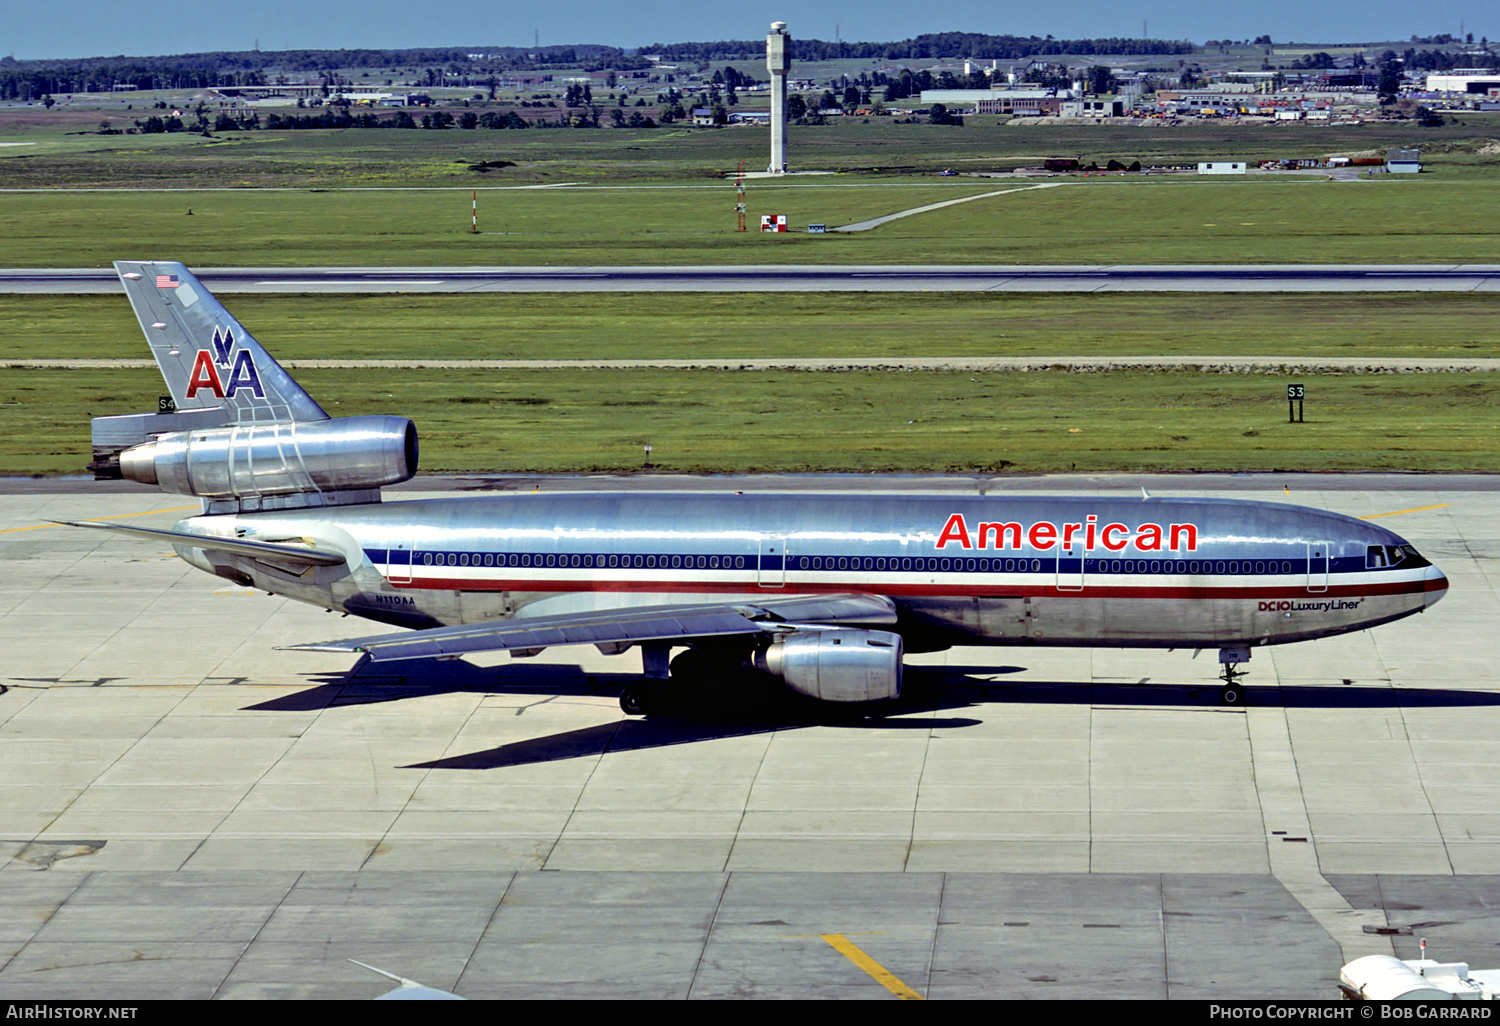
x,y
739,204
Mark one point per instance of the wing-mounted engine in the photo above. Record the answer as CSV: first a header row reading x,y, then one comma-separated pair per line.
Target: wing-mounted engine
x,y
257,466
836,665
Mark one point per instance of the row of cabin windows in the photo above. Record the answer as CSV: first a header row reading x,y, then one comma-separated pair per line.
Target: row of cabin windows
x,y
1188,566
553,560
875,563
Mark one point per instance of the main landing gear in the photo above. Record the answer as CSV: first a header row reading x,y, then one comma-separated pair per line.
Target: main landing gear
x,y
1233,693
661,678
641,697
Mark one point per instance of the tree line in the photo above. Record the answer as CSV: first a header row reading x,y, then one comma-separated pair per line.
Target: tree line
x,y
931,46
33,79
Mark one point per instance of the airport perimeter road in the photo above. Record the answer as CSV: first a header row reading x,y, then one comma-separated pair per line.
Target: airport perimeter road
x,y
186,811
800,278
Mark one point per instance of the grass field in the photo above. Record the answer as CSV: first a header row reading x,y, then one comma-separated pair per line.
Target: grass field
x,y
580,420
63,153
600,326
1189,219
742,422
632,196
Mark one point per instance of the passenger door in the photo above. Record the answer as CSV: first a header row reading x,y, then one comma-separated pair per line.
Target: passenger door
x,y
398,563
1317,566
771,563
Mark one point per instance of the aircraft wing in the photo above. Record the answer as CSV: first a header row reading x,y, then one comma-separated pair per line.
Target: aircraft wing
x,y
612,629
301,555
409,990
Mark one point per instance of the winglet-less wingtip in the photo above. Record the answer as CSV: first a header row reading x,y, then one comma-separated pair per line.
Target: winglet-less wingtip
x,y
410,990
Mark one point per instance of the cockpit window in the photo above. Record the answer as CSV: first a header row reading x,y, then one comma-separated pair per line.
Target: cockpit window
x,y
1411,560
1378,557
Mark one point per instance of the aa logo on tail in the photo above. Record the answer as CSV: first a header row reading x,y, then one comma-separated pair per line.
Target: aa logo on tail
x,y
239,367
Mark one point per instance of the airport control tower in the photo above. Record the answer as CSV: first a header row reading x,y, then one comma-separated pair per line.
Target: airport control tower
x,y
778,63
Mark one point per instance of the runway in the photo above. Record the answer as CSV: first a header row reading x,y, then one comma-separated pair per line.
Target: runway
x,y
799,278
188,812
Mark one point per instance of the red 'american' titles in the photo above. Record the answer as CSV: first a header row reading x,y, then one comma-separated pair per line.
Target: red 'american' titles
x,y
1111,537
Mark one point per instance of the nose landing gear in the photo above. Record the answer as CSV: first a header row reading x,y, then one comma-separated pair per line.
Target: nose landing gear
x,y
1233,693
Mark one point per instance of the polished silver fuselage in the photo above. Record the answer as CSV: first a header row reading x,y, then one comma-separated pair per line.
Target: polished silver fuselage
x,y
1147,572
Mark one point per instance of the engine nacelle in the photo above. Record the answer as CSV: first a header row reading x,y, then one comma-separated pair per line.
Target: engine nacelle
x,y
277,458
836,665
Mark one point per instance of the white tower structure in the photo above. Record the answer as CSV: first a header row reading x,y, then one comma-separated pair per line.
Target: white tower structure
x,y
778,63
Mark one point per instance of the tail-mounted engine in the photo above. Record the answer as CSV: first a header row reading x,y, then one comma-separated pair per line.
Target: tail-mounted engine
x,y
275,465
841,665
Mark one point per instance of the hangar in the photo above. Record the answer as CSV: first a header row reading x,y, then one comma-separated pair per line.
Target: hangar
x,y
1483,85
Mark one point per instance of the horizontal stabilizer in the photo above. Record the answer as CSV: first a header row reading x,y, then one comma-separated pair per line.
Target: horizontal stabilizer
x,y
617,626
297,554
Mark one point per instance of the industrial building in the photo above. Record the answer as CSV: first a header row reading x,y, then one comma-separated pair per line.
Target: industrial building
x,y
1093,108
1220,101
1018,102
1482,85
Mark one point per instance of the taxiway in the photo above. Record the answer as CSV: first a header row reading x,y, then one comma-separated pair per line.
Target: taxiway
x,y
189,812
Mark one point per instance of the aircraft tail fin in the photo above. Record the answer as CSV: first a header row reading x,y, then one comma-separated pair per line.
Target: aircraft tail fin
x,y
237,430
207,358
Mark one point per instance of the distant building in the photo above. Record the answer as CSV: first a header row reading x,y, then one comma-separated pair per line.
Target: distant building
x,y
301,90
1483,85
1093,108
1237,87
365,97
523,82
1352,78
1023,102
998,101
1202,101
955,97
1403,161
1222,167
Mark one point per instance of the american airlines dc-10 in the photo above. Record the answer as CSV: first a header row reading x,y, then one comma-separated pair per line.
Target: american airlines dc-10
x,y
823,592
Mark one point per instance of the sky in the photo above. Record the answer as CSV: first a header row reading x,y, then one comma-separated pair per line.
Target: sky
x,y
93,28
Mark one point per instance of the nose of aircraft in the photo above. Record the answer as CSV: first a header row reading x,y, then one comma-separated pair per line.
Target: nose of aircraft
x,y
1436,586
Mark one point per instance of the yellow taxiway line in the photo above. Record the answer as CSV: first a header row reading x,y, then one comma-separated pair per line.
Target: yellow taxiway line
x,y
878,972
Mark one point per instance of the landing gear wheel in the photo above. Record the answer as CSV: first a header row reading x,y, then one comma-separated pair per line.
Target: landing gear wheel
x,y
1232,695
640,698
